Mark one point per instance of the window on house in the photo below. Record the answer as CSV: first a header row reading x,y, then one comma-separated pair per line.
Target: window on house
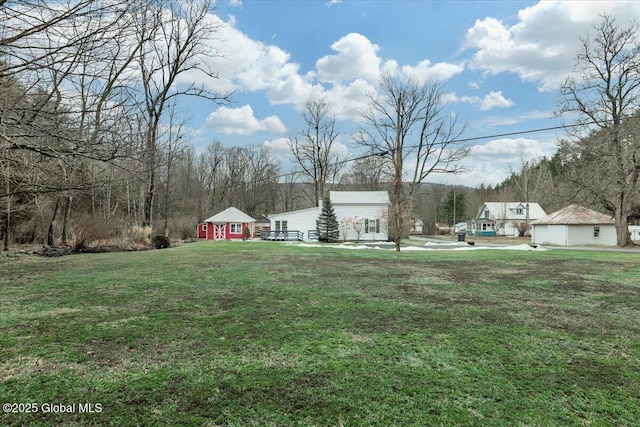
x,y
371,225
236,228
596,232
284,225
518,211
204,227
486,214
281,225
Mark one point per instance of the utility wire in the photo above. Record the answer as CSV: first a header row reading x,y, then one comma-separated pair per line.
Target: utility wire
x,y
384,153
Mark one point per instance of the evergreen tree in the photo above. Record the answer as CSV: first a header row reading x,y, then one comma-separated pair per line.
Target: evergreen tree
x,y
327,225
448,207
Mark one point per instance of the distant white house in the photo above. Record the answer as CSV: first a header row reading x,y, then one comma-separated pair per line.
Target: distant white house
x,y
417,226
574,225
634,230
364,210
502,218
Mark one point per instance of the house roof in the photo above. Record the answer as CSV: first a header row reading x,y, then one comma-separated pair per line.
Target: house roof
x,y
359,197
575,214
230,215
271,216
507,210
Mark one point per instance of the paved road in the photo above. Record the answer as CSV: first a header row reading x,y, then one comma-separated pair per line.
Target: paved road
x,y
634,250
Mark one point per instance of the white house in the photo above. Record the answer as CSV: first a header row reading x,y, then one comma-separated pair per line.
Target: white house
x,y
574,225
303,221
634,230
365,211
502,218
417,226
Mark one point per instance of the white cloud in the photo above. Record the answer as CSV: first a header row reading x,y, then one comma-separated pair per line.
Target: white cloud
x,y
293,89
241,121
507,148
490,163
541,47
242,63
347,101
279,149
356,58
495,100
490,100
514,119
425,71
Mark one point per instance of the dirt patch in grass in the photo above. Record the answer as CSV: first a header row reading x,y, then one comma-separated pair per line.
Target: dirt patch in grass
x,y
234,334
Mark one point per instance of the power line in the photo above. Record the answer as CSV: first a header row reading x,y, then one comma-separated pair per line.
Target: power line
x,y
384,153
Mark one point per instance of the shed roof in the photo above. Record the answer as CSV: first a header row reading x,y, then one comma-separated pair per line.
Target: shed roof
x,y
359,197
230,215
575,214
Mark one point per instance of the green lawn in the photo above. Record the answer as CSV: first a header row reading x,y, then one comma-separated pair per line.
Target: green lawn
x,y
265,334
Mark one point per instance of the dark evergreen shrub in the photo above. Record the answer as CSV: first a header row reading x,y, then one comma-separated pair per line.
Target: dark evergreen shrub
x,y
160,242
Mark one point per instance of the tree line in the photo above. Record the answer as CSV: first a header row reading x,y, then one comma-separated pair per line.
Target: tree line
x,y
90,131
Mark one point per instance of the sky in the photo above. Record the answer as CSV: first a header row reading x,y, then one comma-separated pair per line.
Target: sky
x,y
500,65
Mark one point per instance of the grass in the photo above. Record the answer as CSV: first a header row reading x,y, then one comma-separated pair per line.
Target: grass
x,y
265,334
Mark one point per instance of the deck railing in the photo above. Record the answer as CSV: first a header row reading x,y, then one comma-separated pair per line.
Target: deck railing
x,y
281,235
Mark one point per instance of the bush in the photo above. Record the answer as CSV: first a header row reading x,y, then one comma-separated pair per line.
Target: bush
x,y
140,234
89,230
159,241
523,228
246,233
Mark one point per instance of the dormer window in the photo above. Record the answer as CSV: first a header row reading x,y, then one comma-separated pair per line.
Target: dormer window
x,y
518,211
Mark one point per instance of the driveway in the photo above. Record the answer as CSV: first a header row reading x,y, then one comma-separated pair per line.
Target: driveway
x,y
445,244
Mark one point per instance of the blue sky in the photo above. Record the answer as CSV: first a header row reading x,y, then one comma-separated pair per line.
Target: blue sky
x,y
500,64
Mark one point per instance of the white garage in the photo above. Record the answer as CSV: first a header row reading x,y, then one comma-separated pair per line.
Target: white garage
x,y
573,226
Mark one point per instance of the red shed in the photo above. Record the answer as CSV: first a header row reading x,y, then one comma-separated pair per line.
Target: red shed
x,y
226,225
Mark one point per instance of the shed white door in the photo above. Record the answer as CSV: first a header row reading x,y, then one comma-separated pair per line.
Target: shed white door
x,y
218,232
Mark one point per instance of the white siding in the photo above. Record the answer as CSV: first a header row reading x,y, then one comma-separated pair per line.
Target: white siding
x,y
369,212
305,220
362,205
539,234
583,235
302,220
549,234
573,235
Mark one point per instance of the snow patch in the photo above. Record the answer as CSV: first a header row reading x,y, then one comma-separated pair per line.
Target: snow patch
x,y
454,247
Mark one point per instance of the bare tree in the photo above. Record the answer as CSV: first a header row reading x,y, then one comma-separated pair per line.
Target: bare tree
x,y
604,96
530,179
173,144
288,193
174,36
408,124
368,173
312,148
27,26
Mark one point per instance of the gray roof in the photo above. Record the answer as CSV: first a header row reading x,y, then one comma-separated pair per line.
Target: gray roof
x,y
575,214
507,210
230,215
359,197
